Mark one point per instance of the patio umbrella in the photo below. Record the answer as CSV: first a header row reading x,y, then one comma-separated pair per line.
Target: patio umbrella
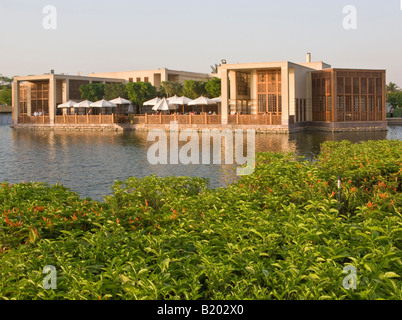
x,y
103,104
120,101
67,104
83,104
164,105
202,101
180,100
218,99
152,102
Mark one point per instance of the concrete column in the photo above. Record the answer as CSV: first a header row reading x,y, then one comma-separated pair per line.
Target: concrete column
x,y
15,101
292,92
233,91
309,97
225,96
66,90
285,95
52,98
29,100
253,93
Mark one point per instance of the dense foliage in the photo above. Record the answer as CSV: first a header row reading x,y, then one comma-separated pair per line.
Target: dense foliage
x,y
171,88
277,234
115,90
139,92
5,95
92,91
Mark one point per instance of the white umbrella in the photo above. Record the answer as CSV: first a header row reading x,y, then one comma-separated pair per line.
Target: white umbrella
x,y
120,101
164,105
152,102
180,100
67,104
218,99
201,101
171,98
83,104
103,104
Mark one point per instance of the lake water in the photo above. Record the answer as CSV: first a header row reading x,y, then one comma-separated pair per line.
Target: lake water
x,y
89,162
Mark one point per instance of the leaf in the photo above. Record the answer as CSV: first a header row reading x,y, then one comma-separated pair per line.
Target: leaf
x,y
390,275
251,270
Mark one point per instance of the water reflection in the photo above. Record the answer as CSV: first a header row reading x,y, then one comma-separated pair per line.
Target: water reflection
x,y
89,162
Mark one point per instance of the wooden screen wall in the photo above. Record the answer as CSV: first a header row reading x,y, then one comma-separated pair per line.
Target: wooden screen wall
x,y
348,95
359,95
23,99
322,96
40,97
269,91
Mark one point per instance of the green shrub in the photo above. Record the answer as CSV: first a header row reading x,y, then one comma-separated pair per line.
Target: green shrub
x,y
280,233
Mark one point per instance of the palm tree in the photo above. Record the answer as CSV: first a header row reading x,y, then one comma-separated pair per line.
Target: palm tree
x,y
392,87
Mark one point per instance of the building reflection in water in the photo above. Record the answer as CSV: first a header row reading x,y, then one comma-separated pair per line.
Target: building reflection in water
x,y
89,162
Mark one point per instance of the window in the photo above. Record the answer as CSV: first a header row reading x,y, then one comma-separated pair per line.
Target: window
x,y
146,79
130,79
138,79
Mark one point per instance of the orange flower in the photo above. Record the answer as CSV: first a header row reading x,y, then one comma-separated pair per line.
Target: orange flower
x,y
369,205
353,189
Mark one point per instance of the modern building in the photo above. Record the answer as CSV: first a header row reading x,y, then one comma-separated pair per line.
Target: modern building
x,y
301,94
269,96
45,92
155,77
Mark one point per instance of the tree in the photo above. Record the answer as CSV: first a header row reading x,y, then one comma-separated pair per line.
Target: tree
x,y
171,88
213,87
92,91
139,92
115,90
392,87
6,80
395,99
193,88
5,96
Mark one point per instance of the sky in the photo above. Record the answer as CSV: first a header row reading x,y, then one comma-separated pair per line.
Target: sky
x,y
124,35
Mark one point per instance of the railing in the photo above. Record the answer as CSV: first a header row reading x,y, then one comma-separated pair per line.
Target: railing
x,y
357,116
191,119
84,119
260,119
34,120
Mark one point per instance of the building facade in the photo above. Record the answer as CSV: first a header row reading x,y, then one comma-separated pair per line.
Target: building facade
x,y
155,77
309,93
45,92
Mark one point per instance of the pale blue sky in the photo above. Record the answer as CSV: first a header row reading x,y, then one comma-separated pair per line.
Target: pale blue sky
x,y
122,35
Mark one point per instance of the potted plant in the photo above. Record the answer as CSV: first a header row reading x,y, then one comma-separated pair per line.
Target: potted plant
x,y
131,118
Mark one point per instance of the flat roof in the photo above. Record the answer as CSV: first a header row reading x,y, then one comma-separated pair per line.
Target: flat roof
x,y
63,77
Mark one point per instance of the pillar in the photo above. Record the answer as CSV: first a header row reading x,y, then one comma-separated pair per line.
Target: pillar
x,y
16,101
225,96
233,91
285,95
52,98
29,100
253,93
